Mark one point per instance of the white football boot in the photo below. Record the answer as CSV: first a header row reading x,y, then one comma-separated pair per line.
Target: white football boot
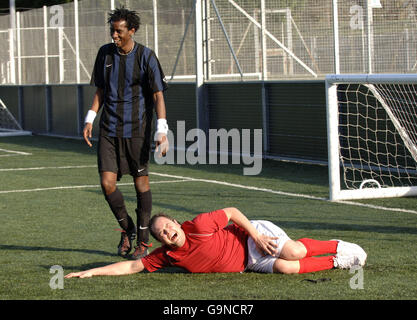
x,y
349,254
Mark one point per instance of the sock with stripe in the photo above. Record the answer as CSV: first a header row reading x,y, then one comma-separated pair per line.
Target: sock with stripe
x,y
143,212
117,206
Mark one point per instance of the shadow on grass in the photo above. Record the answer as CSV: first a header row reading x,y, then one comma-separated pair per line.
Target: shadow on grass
x,y
167,206
99,264
88,265
344,227
28,248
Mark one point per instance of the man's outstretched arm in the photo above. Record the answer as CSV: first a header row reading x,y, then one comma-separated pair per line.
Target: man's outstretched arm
x,y
115,269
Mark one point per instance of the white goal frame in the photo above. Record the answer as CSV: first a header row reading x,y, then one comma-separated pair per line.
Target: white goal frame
x,y
14,128
369,80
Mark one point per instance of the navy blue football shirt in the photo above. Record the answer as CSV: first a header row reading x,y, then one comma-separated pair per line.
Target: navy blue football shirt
x,y
129,82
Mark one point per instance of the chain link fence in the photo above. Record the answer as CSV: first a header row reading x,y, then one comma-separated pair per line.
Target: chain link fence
x,y
242,39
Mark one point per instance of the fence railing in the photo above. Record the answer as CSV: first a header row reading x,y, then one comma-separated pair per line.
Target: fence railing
x,y
238,39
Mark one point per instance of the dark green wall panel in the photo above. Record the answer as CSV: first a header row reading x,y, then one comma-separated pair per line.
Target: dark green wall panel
x,y
64,110
297,120
180,99
235,105
34,108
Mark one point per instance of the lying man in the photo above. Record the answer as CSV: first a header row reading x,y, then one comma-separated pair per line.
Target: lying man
x,y
209,244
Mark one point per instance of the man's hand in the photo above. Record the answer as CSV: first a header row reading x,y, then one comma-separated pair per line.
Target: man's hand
x,y
87,133
162,144
82,274
266,245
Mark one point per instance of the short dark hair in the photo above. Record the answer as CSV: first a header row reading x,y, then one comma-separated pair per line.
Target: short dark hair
x,y
131,17
152,222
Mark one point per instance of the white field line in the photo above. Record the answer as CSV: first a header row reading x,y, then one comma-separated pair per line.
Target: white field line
x,y
298,195
84,186
184,179
48,168
14,153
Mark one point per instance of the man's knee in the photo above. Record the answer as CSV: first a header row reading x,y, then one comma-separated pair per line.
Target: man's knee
x,y
108,185
286,267
293,250
142,184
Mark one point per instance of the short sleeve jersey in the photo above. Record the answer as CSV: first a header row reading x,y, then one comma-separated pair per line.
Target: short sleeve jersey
x,y
128,82
211,245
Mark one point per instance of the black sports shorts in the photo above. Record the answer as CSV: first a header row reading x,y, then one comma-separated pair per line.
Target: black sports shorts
x,y
123,156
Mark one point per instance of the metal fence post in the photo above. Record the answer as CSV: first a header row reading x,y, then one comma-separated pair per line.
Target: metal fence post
x,y
336,38
77,41
370,33
263,35
19,49
201,117
155,26
61,54
12,30
45,43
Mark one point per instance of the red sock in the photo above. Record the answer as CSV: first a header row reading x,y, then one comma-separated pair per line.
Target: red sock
x,y
317,247
313,264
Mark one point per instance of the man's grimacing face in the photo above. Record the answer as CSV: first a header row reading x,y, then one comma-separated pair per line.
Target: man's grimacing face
x,y
120,34
169,232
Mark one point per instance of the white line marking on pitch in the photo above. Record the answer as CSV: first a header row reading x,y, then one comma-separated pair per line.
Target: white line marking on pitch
x,y
45,168
298,195
84,186
183,179
9,155
14,153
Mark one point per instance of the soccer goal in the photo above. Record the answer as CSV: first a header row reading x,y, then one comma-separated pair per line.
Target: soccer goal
x,y
8,124
372,135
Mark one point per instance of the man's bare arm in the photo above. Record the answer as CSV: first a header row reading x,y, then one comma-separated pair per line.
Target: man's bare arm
x,y
162,144
115,269
96,105
264,243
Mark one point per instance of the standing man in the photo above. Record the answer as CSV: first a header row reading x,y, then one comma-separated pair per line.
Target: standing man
x,y
130,84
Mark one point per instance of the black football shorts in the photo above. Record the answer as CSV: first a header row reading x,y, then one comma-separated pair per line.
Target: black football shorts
x,y
123,156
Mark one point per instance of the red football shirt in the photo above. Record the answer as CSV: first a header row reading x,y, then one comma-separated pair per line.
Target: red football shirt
x,y
210,246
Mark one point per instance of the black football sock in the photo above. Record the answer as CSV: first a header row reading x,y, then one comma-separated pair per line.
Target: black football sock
x,y
117,206
144,202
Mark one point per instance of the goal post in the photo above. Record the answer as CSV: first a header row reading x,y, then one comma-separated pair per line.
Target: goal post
x,y
8,124
372,135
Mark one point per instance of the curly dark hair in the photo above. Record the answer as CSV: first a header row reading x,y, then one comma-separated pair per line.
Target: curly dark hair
x,y
131,17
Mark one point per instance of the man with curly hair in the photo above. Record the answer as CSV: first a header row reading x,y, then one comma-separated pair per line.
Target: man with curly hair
x,y
130,84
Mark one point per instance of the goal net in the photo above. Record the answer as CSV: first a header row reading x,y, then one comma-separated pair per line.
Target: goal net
x,y
8,124
372,135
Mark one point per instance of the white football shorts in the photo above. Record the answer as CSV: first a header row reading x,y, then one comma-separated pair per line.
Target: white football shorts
x,y
256,261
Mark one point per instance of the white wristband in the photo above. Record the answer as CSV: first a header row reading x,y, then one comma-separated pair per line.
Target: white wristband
x,y
91,115
162,126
